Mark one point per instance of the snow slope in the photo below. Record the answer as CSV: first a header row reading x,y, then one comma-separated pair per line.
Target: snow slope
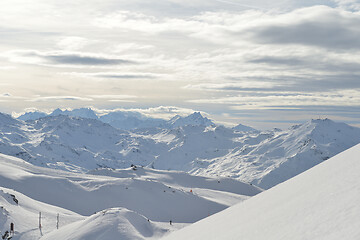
x,y
25,214
110,224
321,203
160,196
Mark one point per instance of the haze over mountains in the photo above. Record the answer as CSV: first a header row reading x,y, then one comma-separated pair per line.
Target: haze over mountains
x,y
193,144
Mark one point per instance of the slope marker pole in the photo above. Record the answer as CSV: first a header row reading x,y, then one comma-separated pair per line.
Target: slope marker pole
x,y
39,220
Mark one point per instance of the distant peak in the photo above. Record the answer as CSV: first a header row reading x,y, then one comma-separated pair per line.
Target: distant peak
x,y
196,114
322,121
244,128
194,119
57,112
319,120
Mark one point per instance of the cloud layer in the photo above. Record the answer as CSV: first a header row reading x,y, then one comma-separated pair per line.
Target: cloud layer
x,y
222,57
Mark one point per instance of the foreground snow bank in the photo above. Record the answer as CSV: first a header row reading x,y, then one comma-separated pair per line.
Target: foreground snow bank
x,y
322,203
110,224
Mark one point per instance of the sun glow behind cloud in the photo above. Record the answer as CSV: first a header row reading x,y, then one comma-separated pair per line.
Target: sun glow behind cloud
x,y
237,60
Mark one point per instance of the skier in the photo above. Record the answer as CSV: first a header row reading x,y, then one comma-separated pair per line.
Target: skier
x,y
170,222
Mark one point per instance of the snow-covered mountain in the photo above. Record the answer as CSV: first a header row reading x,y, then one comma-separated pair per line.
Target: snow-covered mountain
x,y
125,120
261,158
80,112
243,128
268,158
137,194
321,203
130,120
195,119
32,116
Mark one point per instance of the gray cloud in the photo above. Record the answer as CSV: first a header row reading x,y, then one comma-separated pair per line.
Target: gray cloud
x,y
309,62
126,76
278,60
284,83
65,58
79,59
114,75
59,98
328,29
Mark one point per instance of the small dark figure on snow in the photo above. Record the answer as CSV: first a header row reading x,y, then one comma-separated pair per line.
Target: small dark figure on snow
x,y
14,198
170,222
12,228
133,167
6,235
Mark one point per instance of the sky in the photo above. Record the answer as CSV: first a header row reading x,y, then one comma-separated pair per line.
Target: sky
x,y
260,63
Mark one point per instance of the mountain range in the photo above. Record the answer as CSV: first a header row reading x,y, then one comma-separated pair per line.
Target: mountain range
x,y
192,144
125,120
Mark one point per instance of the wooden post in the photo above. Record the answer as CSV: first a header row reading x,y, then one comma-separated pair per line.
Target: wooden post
x,y
12,229
57,221
39,220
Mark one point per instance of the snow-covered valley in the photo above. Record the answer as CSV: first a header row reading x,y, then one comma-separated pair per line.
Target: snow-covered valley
x,y
140,193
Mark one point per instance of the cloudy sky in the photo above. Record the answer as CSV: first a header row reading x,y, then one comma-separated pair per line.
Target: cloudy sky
x,y
257,62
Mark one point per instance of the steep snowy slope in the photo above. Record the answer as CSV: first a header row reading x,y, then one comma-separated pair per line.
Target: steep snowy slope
x,y
268,158
24,213
13,133
182,147
321,203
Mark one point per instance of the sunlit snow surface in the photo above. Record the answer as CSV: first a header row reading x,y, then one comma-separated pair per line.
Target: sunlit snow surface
x,y
109,201
321,203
